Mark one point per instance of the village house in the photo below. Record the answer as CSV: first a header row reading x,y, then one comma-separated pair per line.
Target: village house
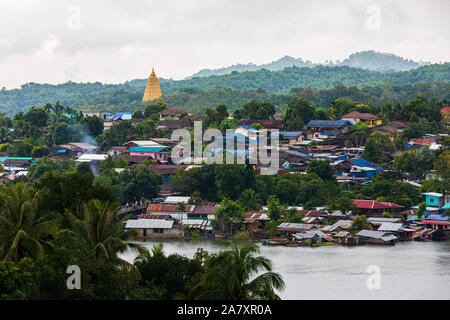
x,y
141,143
288,228
104,115
72,150
440,224
160,154
392,128
397,229
176,200
117,150
293,160
171,124
325,129
172,114
155,228
434,202
15,165
94,161
204,210
118,116
376,237
255,221
289,138
325,148
356,167
198,226
409,215
417,144
311,237
373,208
172,210
370,119
269,125
246,131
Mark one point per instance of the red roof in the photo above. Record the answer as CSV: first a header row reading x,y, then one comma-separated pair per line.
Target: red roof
x,y
166,208
421,141
154,216
435,222
205,207
373,204
409,212
445,110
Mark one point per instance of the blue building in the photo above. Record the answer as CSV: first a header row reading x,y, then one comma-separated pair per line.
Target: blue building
x,y
356,167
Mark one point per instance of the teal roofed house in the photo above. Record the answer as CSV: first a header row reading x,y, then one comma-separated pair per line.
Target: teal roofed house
x,y
13,164
159,153
435,202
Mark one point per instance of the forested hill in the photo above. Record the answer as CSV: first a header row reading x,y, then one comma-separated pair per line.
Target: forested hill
x,y
127,96
319,77
369,60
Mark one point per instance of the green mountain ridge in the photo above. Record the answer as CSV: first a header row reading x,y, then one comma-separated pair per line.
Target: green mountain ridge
x,y
128,95
369,60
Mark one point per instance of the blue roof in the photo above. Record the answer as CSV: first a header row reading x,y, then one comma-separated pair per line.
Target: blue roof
x,y
364,163
296,153
437,217
62,150
3,159
234,136
446,207
291,134
149,149
327,124
246,126
123,115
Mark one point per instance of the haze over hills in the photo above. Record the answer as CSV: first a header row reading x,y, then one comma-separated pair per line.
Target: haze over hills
x,y
369,60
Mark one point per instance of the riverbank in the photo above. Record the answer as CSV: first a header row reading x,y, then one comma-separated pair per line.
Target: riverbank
x,y
409,270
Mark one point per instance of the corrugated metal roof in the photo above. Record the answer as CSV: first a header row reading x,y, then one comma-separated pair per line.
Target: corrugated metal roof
x,y
327,124
197,224
389,226
149,224
371,234
344,224
389,237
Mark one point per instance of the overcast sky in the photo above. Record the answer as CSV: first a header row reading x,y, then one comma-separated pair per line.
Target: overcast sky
x,y
114,41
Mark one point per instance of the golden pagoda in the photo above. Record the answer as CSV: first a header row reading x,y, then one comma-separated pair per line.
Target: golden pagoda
x,y
152,89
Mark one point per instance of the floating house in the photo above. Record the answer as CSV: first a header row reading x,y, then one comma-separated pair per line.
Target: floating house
x,y
376,237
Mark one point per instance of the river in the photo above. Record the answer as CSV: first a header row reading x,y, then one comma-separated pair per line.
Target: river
x,y
408,270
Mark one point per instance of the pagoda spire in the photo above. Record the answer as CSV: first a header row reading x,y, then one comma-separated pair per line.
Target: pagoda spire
x,y
152,89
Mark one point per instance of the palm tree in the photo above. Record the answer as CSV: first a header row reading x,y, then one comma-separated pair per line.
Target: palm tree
x,y
103,232
230,275
250,200
22,229
181,208
145,255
